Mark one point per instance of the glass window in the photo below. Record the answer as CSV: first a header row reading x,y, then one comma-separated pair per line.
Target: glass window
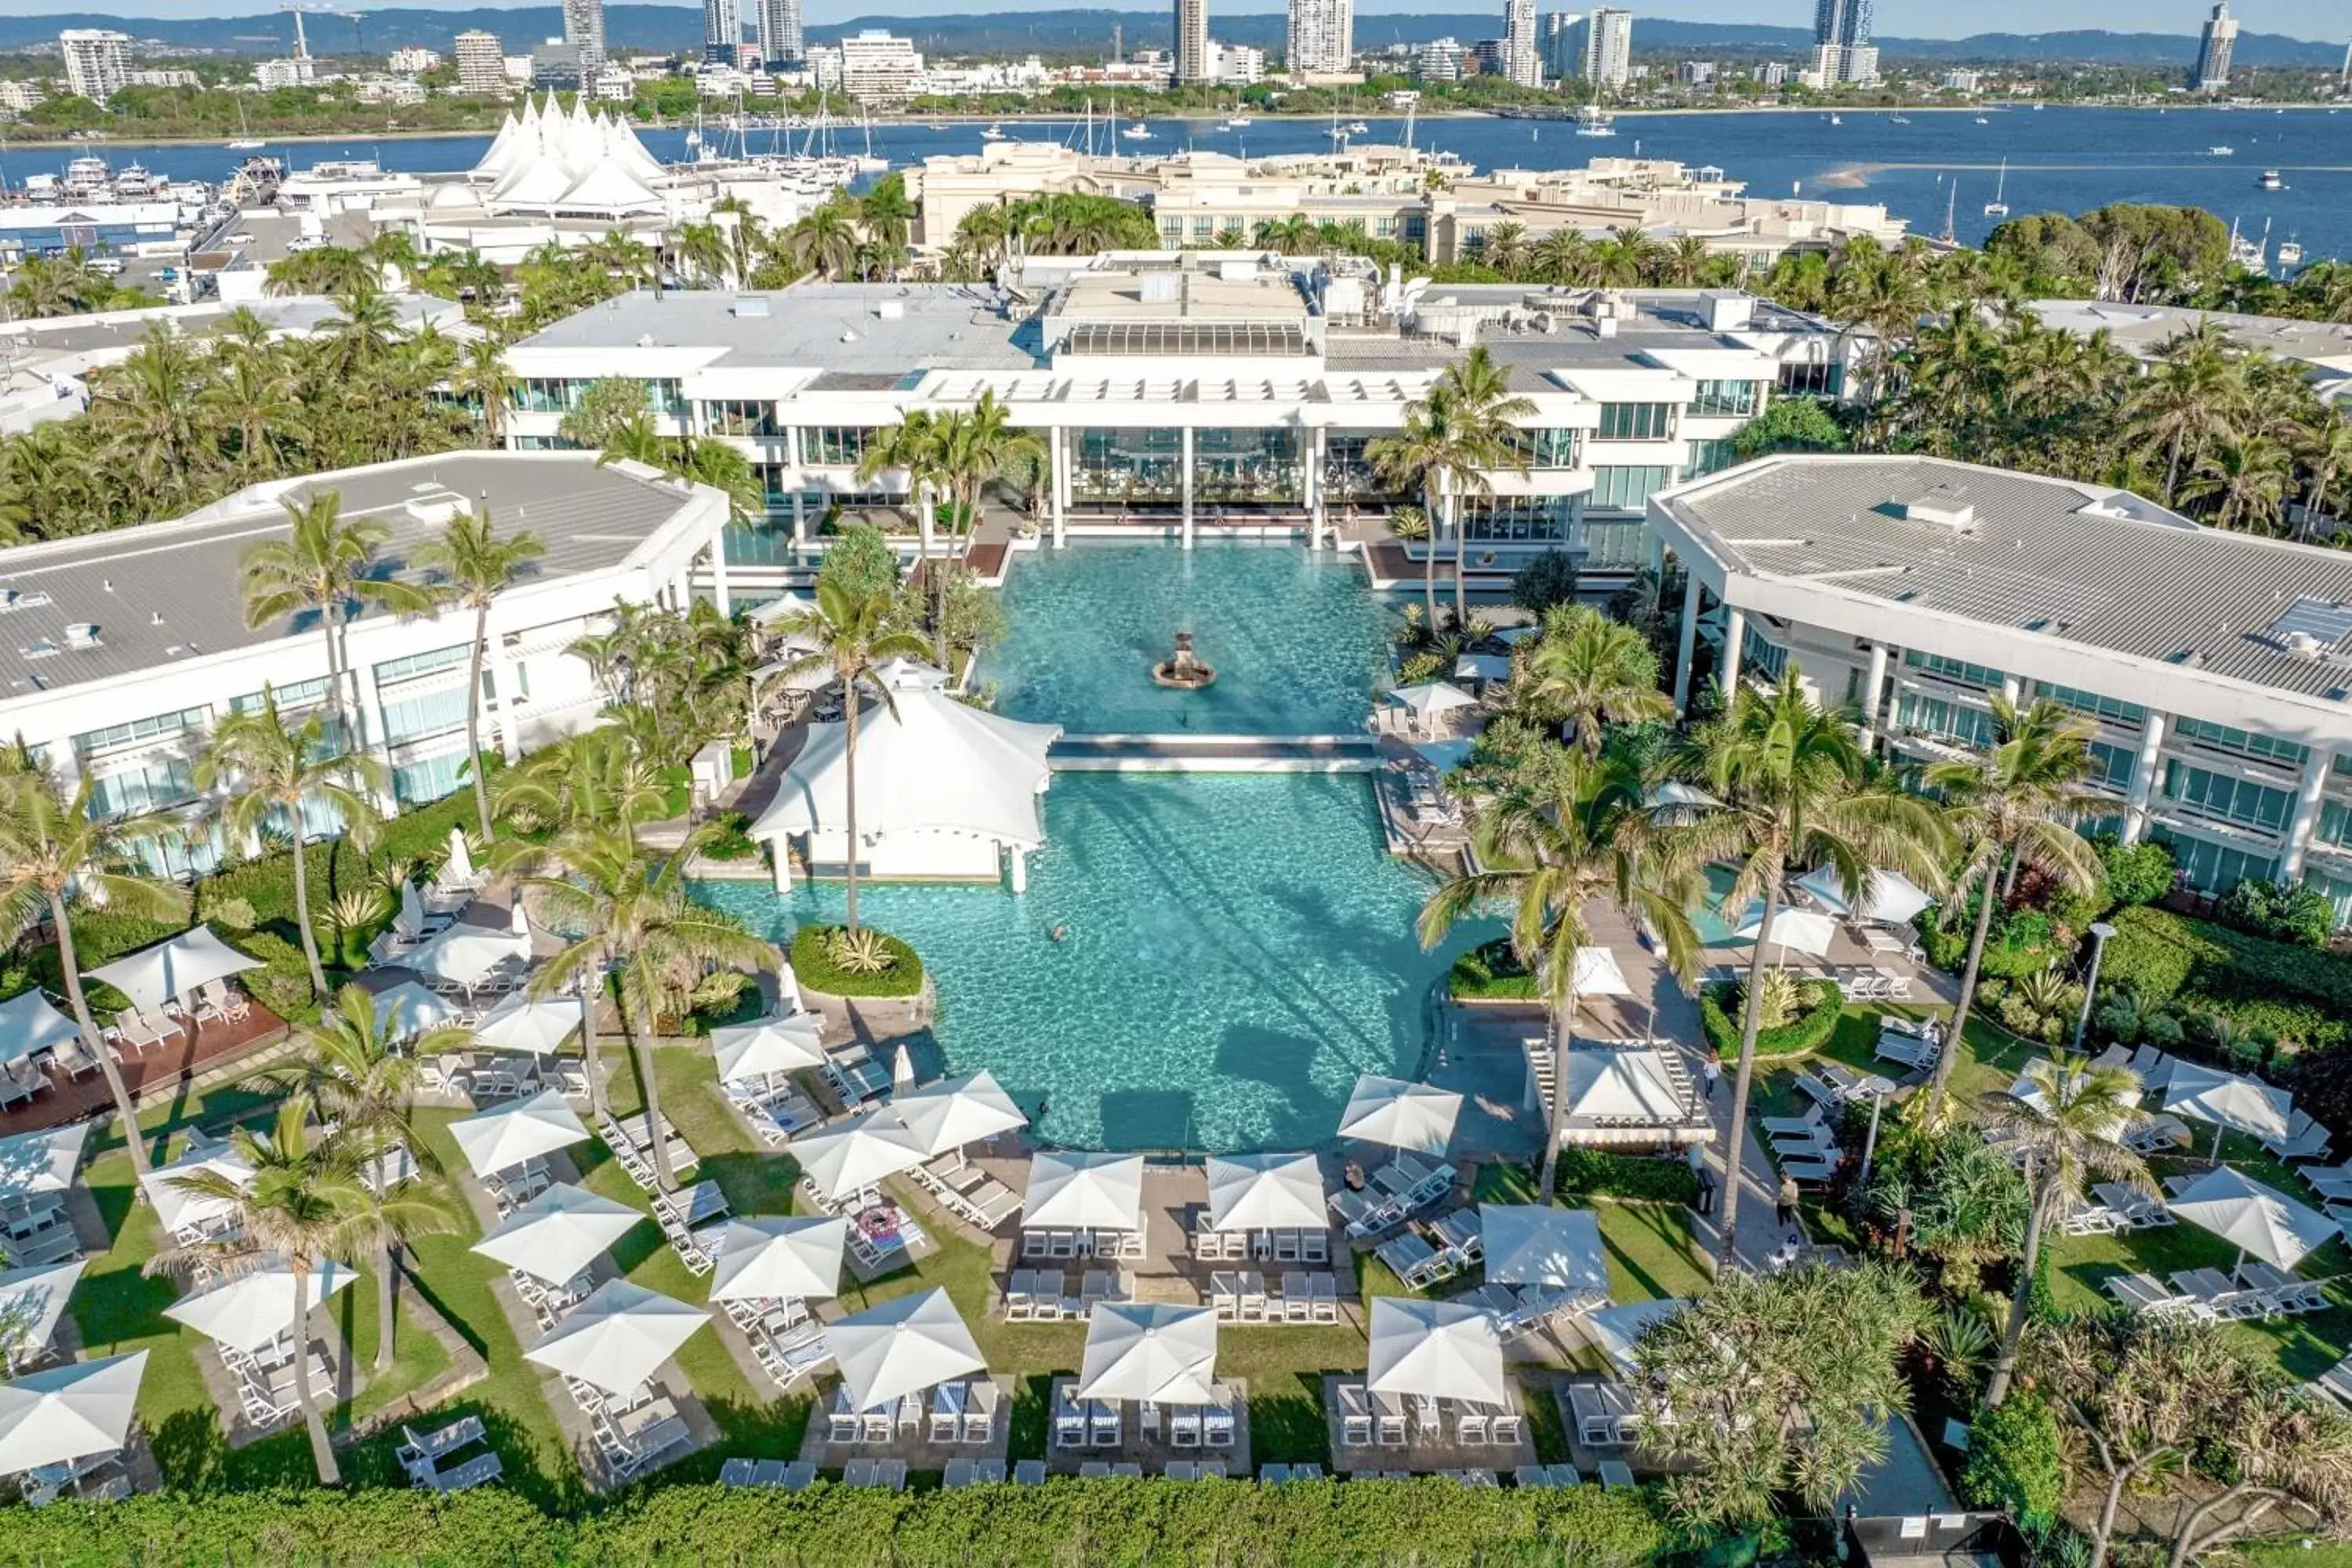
x,y
414,784
2335,891
432,713
1710,458
739,416
138,732
1548,448
1760,653
1204,229
1812,380
135,791
409,665
1249,466
1611,544
1944,720
2091,702
2227,797
1627,488
1515,519
1637,421
1122,466
187,853
1726,399
2334,826
835,445
2112,765
2210,867
1348,473
1957,670
2267,748
290,698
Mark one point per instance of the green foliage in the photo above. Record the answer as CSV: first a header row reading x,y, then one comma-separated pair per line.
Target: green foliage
x,y
1491,971
1419,666
1550,579
2293,994
2279,912
609,402
1596,1173
2016,1464
235,914
861,559
818,963
733,841
1720,1013
972,617
2136,873
1791,425
2019,942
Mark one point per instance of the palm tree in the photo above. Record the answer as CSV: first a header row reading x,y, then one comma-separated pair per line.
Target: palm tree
x,y
1450,436
476,566
974,448
825,242
848,634
275,775
57,855
2191,397
353,1073
642,928
2012,807
2323,443
482,374
254,396
595,779
918,444
703,252
1587,669
2250,475
1788,776
1572,830
323,568
2065,1125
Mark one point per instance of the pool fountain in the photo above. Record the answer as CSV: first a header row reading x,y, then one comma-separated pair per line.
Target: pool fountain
x,y
1185,672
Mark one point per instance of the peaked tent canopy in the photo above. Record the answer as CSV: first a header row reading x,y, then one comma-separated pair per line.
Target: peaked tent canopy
x,y
1622,1082
29,1023
1889,898
157,974
1266,1191
1140,1351
902,1347
66,1413
1437,1349
618,1337
1401,1114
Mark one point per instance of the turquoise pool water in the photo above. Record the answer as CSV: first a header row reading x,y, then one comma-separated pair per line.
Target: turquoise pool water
x,y
1295,636
1239,949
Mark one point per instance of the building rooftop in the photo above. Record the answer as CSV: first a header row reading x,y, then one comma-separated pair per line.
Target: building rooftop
x,y
2076,563
115,332
844,326
115,603
2143,328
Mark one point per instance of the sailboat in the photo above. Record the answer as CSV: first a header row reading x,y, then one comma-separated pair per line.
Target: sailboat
x,y
1951,210
1999,206
245,140
2290,252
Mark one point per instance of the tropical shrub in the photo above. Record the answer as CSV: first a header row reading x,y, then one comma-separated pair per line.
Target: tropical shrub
x,y
861,558
1807,1031
824,962
1550,579
2136,873
2294,995
733,841
1491,971
1595,1173
2016,1464
2278,911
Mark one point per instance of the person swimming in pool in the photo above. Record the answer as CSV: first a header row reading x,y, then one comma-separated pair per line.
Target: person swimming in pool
x,y
1061,933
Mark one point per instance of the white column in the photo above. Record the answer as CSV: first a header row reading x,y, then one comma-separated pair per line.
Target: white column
x,y
1874,696
1653,551
2013,689
1688,650
781,848
1735,637
1187,460
718,576
2144,779
1318,504
923,518
2316,769
367,713
681,592
502,676
1057,460
799,521
1020,868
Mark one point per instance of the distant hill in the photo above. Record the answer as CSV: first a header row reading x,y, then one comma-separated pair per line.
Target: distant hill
x,y
667,28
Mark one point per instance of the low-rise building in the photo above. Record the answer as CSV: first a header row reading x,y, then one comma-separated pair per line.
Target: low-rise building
x,y
412,61
2324,349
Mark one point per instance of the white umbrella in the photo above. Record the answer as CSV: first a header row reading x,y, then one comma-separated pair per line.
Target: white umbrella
x,y
28,1024
1071,1190
410,919
1266,1191
459,867
957,1111
419,1009
1137,1351
1436,1349
559,1233
902,1347
1888,897
466,953
1616,1331
765,1259
2229,1100
1482,666
31,1301
1672,796
2258,1219
1807,931
32,1163
252,1309
902,1071
1596,973
69,1413
178,1208
518,919
618,1337
1445,755
155,975
1402,1115
850,1156
504,1137
1530,1244
533,1024
1431,698
768,1047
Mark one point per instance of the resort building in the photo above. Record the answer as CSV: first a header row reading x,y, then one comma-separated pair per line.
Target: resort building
x,y
1182,392
2324,349
2216,667
129,646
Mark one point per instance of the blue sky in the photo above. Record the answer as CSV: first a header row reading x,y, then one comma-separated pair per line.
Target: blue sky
x,y
1916,18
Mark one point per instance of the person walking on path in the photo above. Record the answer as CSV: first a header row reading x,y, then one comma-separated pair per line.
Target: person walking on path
x,y
1704,1201
1711,1073
1790,1198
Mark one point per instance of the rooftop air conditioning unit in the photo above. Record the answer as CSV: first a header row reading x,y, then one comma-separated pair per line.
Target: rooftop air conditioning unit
x,y
1941,505
2304,645
890,310
750,306
83,633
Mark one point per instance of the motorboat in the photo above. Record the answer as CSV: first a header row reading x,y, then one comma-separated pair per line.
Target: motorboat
x,y
2221,152
2271,181
993,133
1139,132
2290,253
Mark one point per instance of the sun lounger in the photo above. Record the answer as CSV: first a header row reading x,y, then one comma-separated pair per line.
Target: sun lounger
x,y
2305,1139
2144,1292
2138,1209
2284,1292
2154,1068
1809,1172
2157,1133
1616,1475
1804,1126
1604,1414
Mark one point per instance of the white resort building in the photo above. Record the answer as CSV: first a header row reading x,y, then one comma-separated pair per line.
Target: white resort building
x,y
2217,666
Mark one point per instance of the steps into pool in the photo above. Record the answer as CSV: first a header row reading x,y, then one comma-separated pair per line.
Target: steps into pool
x,y
1216,753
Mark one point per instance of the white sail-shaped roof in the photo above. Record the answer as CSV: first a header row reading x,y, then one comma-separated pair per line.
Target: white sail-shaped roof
x,y
502,152
610,189
575,161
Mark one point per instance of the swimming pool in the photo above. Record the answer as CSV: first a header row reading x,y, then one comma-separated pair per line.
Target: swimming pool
x,y
1295,636
1239,948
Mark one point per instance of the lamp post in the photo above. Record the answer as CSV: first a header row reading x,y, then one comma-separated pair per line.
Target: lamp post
x,y
1870,1143
2100,932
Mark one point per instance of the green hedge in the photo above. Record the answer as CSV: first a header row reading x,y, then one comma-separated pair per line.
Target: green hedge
x,y
2294,994
1591,1173
813,966
1720,1014
2016,1463
1431,1522
1491,971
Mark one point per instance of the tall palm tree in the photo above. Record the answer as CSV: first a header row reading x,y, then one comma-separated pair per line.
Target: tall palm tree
x,y
275,775
253,395
1591,670
975,448
2323,445
474,566
482,375
642,929
1572,830
2189,398
1790,778
593,779
351,1070
2065,1125
57,855
2250,476
919,444
2012,807
324,566
1450,437
825,242
848,633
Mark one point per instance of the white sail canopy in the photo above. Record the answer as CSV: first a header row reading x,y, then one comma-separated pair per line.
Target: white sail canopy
x,y
902,1347
67,1413
32,1163
581,165
32,1304
155,975
29,1023
1533,1244
1141,1351
1888,897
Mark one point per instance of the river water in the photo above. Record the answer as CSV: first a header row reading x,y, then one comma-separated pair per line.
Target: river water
x,y
2066,160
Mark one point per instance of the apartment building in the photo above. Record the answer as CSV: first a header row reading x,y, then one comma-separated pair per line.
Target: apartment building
x,y
98,63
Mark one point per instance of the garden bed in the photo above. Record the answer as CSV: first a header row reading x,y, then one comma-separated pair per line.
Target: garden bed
x,y
817,965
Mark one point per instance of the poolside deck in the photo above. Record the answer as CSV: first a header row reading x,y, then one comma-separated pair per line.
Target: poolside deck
x,y
160,1070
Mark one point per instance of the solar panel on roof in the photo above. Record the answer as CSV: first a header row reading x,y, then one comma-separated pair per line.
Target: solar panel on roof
x,y
2325,619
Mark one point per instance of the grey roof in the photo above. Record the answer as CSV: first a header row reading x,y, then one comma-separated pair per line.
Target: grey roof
x,y
2128,576
2145,329
170,591
937,326
300,314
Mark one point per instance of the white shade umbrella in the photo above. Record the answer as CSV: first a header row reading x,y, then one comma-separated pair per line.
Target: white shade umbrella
x,y
766,1260
178,1208
1482,666
518,919
1401,1114
1137,1351
1432,698
410,919
31,1301
618,1337
1531,1244
1266,1191
1888,897
1596,973
504,1136
2230,1099
1807,931
902,1347
1616,1331
559,1233
69,1413
1623,1083
1445,755
768,1047
252,1309
419,1009
29,1023
32,1163
1073,1190
466,953
957,1111
460,865
850,1156
1436,1349
2258,1219
155,975
902,1071
521,1023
